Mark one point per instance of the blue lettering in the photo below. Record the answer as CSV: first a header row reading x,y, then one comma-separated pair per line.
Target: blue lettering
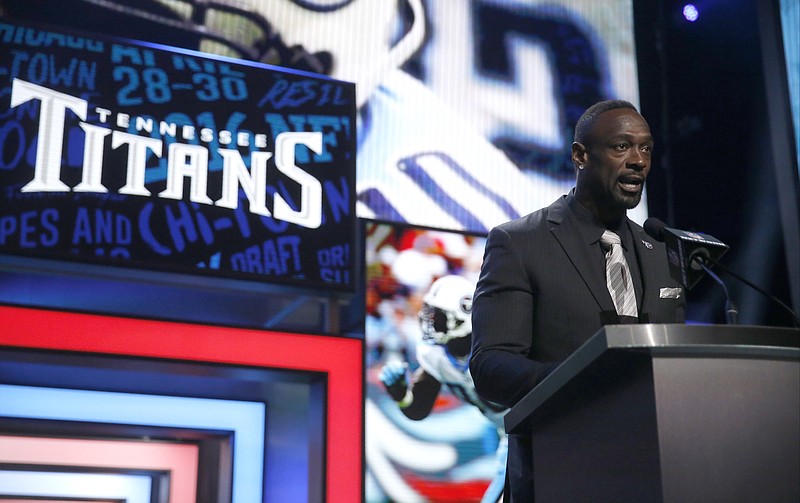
x,y
338,200
337,256
277,256
334,275
101,227
8,226
42,68
180,225
49,217
329,125
26,229
33,228
334,264
83,229
10,131
271,96
147,235
272,264
132,55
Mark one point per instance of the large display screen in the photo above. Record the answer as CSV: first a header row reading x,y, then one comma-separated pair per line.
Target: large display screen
x,y
132,154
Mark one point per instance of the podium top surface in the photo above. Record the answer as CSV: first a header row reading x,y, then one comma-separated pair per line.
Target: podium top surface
x,y
697,338
661,340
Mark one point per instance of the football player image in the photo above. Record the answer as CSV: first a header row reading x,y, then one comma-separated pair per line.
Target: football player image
x,y
443,356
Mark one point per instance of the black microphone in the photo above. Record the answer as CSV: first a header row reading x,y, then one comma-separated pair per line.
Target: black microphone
x,y
687,252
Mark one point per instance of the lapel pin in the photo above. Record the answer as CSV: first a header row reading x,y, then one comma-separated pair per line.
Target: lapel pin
x,y
647,244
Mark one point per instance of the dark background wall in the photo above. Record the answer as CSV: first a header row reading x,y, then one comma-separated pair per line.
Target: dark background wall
x,y
703,92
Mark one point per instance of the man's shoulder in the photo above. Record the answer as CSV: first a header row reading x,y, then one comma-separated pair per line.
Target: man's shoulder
x,y
640,236
635,227
536,220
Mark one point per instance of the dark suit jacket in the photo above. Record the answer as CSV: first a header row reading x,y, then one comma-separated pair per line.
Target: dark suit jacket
x,y
539,298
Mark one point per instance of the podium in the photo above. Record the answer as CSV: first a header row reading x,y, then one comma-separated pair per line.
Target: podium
x,y
668,413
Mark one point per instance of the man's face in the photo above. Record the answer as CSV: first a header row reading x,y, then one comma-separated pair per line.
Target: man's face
x,y
616,159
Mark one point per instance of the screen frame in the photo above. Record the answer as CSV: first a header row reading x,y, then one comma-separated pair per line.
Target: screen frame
x,y
340,358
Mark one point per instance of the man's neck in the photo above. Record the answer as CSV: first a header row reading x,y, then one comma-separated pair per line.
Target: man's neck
x,y
610,218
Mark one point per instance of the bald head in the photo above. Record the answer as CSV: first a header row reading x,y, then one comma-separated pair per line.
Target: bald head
x,y
584,126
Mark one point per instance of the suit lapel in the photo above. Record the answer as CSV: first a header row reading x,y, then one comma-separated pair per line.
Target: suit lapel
x,y
579,254
648,267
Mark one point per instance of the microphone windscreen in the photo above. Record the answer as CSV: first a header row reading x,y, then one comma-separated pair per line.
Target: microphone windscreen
x,y
654,228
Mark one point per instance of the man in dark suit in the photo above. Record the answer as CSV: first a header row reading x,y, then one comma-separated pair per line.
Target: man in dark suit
x,y
543,289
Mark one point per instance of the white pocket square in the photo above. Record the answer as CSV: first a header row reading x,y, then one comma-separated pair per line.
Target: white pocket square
x,y
669,293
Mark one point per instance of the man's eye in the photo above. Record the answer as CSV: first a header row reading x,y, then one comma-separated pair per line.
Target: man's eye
x,y
621,146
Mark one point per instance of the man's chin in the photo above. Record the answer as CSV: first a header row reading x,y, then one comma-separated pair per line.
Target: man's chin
x,y
628,201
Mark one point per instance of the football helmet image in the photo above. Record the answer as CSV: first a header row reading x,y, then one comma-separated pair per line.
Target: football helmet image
x,y
214,26
366,39
310,35
446,310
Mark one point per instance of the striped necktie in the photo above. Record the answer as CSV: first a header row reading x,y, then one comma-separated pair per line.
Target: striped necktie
x,y
618,276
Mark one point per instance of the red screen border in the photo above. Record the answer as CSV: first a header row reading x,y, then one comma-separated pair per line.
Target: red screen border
x,y
341,358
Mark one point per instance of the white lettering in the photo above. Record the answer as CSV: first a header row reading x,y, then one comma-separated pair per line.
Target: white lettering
x,y
103,114
206,135
137,160
188,132
260,140
187,161
123,120
254,183
144,124
310,212
92,159
47,170
184,160
167,129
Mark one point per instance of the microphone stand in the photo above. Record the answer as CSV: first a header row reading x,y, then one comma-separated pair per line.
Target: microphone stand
x,y
731,312
795,318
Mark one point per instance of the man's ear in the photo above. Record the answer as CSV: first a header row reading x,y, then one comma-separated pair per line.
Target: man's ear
x,y
579,155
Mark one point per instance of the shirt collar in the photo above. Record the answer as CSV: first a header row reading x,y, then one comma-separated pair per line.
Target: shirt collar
x,y
589,228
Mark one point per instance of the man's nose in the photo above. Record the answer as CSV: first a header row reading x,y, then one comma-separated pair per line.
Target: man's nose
x,y
637,159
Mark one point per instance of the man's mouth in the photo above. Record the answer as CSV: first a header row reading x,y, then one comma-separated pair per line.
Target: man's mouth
x,y
631,183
